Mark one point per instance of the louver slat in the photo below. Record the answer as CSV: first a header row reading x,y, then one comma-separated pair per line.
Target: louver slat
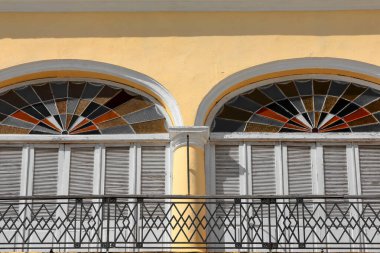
x,y
45,176
263,170
10,177
81,171
153,170
117,171
153,179
299,173
335,170
117,177
227,182
10,171
299,170
45,179
227,170
369,157
336,178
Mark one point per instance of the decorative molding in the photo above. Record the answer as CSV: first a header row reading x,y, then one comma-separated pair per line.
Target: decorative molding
x,y
90,139
369,138
101,68
198,136
207,107
184,5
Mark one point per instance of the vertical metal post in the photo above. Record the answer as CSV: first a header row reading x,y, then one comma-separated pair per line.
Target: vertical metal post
x,y
108,223
188,165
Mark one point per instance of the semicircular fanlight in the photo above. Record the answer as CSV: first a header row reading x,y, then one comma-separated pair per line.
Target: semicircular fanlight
x,y
77,108
316,106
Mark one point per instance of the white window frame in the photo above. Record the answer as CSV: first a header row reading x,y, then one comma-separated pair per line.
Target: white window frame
x,y
352,141
317,142
100,142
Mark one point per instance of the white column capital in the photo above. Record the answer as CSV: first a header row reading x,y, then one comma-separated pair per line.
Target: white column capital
x,y
198,136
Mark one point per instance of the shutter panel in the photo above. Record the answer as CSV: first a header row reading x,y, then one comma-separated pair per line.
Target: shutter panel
x,y
335,175
10,177
335,170
153,179
227,178
369,157
299,170
45,179
81,171
153,170
117,170
10,171
263,170
227,170
45,176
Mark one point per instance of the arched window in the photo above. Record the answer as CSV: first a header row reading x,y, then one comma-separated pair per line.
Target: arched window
x,y
302,105
297,135
306,134
82,137
78,107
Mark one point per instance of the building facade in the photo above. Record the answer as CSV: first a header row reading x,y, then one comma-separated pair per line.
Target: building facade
x,y
189,125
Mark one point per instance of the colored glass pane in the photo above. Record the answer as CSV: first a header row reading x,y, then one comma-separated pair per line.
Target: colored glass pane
x,y
67,107
302,106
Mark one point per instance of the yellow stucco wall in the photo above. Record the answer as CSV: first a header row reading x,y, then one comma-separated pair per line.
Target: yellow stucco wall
x,y
197,171
197,187
189,52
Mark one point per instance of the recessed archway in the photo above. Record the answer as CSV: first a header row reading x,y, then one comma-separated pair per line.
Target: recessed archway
x,y
95,70
259,75
77,106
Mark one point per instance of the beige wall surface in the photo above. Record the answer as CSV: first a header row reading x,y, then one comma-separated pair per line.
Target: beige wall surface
x,y
189,53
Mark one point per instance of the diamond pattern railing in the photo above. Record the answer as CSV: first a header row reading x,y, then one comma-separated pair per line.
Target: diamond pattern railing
x,y
105,223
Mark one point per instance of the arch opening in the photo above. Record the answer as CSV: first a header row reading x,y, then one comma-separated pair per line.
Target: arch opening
x,y
72,69
295,104
277,71
78,106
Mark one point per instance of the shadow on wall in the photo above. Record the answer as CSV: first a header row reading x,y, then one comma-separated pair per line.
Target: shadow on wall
x,y
77,25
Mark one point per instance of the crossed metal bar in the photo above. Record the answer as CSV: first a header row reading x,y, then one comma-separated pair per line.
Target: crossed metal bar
x,y
172,222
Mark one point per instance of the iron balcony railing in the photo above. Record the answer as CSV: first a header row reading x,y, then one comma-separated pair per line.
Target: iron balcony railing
x,y
118,223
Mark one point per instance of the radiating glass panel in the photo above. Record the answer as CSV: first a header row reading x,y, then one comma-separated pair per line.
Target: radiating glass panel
x,y
69,107
314,106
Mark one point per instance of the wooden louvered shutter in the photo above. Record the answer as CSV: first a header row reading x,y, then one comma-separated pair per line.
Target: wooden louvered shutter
x,y
227,177
10,171
299,170
153,170
153,178
81,171
10,177
45,175
335,176
117,170
45,179
227,170
335,170
263,170
369,158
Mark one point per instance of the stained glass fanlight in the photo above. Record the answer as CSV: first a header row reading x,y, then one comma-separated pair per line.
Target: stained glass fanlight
x,y
314,106
77,108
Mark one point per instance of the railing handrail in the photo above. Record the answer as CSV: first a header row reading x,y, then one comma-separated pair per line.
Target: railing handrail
x,y
231,197
173,222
